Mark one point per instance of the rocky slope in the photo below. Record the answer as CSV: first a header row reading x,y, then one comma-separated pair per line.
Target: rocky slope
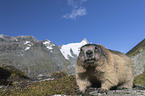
x,y
139,61
137,55
32,56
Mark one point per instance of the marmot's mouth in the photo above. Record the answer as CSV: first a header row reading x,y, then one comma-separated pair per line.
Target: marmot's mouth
x,y
90,60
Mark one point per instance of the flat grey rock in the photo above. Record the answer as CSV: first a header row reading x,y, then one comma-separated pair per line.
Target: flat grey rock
x,y
119,93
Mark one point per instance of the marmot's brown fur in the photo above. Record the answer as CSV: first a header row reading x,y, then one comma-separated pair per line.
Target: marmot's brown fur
x,y
103,67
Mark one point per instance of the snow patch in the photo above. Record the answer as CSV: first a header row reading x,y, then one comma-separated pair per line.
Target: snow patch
x,y
27,48
28,45
1,36
48,44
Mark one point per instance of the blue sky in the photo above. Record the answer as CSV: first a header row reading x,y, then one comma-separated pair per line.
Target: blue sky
x,y
116,24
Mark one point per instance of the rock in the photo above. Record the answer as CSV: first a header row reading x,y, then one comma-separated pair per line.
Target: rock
x,y
139,61
126,92
2,86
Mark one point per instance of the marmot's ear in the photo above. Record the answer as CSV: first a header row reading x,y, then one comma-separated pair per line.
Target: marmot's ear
x,y
81,49
97,47
102,50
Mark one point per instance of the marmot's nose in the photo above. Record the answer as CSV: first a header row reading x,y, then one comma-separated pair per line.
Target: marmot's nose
x,y
89,53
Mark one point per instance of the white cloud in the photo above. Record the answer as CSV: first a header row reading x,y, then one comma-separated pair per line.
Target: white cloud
x,y
77,9
75,13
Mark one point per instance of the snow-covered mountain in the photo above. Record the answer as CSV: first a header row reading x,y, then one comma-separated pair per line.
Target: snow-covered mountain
x,y
72,49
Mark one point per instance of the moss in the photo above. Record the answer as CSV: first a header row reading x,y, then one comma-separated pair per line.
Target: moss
x,y
136,52
65,85
140,79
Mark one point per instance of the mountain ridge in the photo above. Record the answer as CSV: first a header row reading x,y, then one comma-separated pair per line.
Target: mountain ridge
x,y
139,45
36,57
32,56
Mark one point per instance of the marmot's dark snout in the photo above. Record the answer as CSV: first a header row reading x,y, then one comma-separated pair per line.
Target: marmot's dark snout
x,y
89,56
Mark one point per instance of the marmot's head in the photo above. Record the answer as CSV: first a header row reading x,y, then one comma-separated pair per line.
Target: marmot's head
x,y
90,53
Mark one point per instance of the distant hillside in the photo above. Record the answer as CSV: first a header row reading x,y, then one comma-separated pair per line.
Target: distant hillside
x,y
32,56
137,55
138,46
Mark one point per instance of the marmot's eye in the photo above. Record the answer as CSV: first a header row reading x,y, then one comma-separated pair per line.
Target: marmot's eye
x,y
96,47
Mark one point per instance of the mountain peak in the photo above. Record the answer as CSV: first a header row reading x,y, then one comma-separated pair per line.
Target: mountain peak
x,y
72,49
84,41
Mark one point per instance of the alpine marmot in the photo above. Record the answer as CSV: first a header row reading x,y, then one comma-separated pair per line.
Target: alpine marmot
x,y
103,68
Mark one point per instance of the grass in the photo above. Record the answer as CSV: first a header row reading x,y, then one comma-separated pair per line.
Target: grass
x,y
63,84
140,79
58,74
